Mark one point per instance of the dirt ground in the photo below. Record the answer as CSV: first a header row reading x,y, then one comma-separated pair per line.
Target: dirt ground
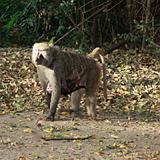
x,y
108,139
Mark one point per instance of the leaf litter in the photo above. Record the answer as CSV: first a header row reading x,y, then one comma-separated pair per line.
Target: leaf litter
x,y
133,88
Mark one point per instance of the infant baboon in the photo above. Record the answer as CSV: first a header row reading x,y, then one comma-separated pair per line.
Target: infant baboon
x,y
65,73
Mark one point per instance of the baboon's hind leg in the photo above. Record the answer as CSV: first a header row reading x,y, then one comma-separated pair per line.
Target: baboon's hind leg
x,y
91,103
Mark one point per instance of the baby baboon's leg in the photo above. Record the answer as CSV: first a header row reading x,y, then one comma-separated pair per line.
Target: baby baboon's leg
x,y
48,97
48,92
75,102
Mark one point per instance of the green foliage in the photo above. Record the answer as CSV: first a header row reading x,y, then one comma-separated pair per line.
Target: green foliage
x,y
27,21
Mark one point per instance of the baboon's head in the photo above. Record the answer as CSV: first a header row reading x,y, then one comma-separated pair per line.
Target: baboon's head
x,y
43,53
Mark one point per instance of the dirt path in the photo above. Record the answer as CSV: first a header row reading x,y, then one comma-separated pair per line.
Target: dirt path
x,y
21,139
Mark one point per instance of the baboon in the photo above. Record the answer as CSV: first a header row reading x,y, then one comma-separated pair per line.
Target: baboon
x,y
62,72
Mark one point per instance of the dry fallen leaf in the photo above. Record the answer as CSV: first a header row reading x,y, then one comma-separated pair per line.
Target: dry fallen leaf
x,y
28,130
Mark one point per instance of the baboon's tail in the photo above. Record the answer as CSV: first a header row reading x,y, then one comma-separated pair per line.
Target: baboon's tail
x,y
98,54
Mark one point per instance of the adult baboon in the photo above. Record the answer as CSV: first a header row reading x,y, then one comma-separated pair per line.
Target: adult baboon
x,y
65,73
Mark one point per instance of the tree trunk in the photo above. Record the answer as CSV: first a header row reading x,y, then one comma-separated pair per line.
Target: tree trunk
x,y
94,27
130,14
147,8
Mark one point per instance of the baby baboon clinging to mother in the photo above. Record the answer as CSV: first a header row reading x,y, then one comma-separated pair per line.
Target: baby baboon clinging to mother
x,y
65,73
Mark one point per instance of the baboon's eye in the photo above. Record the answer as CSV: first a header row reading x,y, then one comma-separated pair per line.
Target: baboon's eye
x,y
45,50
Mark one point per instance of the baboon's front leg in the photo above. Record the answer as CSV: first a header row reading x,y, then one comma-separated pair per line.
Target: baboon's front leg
x,y
55,96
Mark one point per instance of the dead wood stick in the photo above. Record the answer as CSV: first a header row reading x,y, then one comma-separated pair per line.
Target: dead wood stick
x,y
65,138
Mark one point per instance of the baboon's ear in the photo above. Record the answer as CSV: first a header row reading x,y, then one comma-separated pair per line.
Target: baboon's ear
x,y
54,49
51,44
